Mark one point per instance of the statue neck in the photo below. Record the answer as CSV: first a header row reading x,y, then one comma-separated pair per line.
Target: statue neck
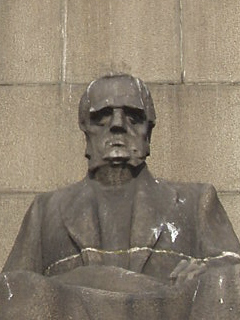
x,y
115,175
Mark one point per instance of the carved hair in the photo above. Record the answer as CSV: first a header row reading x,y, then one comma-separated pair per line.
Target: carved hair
x,y
145,95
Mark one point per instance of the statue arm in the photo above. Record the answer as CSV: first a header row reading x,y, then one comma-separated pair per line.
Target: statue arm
x,y
97,277
214,229
217,243
26,253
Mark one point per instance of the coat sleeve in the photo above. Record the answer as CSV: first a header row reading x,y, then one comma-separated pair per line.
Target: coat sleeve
x,y
26,253
213,227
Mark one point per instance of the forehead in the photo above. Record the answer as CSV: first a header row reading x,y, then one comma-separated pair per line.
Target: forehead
x,y
115,92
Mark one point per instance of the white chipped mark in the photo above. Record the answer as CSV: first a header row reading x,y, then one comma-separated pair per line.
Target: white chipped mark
x,y
69,258
6,282
88,92
182,200
157,181
230,254
221,301
157,231
173,231
196,291
220,282
129,251
224,254
140,89
136,249
130,272
124,272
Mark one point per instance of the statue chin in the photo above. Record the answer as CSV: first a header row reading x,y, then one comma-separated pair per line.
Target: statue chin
x,y
113,157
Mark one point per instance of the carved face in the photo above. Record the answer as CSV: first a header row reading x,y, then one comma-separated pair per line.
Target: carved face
x,y
117,128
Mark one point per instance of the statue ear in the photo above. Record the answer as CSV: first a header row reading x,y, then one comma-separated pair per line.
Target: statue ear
x,y
82,124
149,134
88,150
83,111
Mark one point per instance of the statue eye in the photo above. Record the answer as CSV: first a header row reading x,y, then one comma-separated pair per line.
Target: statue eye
x,y
101,117
134,115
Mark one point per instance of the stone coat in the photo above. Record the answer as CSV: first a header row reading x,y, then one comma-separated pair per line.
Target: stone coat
x,y
178,217
59,266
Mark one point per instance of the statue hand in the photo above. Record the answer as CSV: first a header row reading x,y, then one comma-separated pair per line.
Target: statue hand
x,y
187,270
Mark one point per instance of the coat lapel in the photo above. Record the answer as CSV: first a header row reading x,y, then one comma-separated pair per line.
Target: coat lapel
x,y
80,218
152,202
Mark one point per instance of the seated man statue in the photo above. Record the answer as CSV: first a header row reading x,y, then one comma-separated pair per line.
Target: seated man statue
x,y
121,244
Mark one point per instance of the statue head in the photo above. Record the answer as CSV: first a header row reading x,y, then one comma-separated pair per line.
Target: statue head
x,y
117,115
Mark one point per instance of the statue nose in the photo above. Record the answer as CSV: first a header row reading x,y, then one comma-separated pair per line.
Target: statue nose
x,y
118,121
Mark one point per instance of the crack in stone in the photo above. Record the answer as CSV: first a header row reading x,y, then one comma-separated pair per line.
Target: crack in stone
x,y
64,39
181,42
138,249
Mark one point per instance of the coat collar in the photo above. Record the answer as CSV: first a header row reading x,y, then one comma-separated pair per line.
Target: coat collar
x,y
150,208
152,203
79,214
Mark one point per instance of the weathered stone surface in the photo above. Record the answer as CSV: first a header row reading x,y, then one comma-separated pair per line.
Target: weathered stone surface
x,y
30,41
161,153
211,40
12,210
168,248
173,148
231,202
198,137
138,37
41,145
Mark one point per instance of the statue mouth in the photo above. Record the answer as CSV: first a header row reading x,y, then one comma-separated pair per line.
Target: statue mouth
x,y
117,153
116,143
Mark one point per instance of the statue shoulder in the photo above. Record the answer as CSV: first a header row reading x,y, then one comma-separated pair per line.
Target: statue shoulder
x,y
62,197
204,191
185,185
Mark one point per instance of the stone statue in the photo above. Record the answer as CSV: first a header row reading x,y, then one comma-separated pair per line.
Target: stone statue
x,y
121,244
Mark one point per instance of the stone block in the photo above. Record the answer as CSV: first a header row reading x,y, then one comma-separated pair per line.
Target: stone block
x,y
197,136
30,41
211,40
231,203
137,37
41,145
161,152
12,210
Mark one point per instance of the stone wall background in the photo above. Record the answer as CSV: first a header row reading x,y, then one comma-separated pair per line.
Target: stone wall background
x,y
188,51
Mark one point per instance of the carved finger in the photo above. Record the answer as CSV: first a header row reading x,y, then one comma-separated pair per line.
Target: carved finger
x,y
190,272
181,266
201,269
